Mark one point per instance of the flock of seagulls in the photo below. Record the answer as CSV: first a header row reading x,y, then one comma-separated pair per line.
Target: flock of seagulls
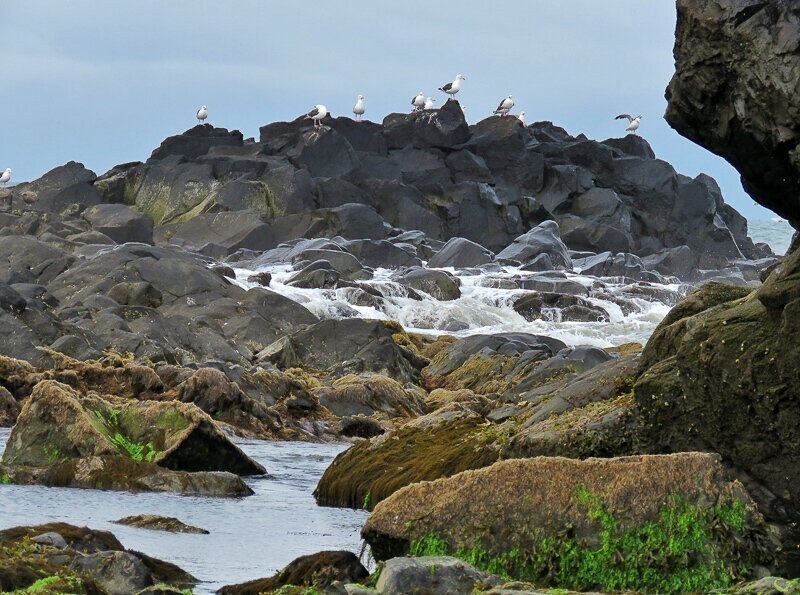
x,y
418,103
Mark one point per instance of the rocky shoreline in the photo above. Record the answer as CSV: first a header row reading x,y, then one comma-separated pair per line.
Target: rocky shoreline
x,y
510,462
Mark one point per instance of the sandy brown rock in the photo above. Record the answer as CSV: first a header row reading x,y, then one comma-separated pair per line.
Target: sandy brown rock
x,y
160,523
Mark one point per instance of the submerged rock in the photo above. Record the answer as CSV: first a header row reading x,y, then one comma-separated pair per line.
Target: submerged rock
x,y
159,523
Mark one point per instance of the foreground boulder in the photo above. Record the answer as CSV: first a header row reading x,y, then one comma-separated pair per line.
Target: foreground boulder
x,y
432,574
595,524
113,443
62,558
719,374
315,571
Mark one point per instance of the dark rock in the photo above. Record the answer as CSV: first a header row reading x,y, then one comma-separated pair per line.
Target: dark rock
x,y
542,239
444,128
197,141
382,253
461,253
734,92
138,293
120,223
317,275
441,285
342,262
360,426
633,145
264,278
9,408
61,187
558,307
220,234
315,571
330,342
323,152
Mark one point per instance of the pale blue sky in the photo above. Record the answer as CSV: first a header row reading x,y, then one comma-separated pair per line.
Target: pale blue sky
x,y
104,81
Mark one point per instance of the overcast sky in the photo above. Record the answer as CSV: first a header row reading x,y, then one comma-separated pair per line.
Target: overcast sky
x,y
104,81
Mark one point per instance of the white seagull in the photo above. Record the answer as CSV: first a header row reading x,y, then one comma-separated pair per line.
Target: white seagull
x,y
452,88
5,176
202,114
419,101
429,103
318,114
505,106
359,108
634,122
521,118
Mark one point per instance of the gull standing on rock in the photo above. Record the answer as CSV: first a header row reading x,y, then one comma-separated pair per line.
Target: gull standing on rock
x,y
5,177
359,108
505,106
202,114
452,88
419,101
521,118
634,122
429,103
318,114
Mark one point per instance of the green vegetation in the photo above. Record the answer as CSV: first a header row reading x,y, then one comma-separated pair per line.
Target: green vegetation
x,y
367,504
53,454
138,452
5,479
684,550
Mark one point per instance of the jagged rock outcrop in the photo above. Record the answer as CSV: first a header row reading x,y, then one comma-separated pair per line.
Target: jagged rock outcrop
x,y
735,92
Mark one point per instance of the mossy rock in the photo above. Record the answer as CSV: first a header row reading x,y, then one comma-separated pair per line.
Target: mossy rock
x,y
668,523
58,424
720,373
368,395
426,449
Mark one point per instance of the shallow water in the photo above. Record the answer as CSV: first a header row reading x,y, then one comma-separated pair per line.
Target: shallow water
x,y
250,537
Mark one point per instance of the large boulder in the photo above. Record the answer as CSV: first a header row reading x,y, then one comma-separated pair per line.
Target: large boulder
x,y
432,574
734,92
440,285
120,223
558,514
349,345
57,424
196,142
461,253
718,375
66,185
221,234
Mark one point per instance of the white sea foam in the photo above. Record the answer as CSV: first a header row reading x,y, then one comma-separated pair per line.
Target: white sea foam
x,y
488,310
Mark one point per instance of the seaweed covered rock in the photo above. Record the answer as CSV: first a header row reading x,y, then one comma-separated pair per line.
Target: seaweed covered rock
x,y
315,571
595,524
63,558
91,441
719,374
354,395
436,445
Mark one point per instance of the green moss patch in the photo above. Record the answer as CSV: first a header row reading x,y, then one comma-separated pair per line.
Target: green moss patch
x,y
685,549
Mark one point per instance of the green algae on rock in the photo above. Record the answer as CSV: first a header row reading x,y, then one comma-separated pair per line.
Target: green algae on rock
x,y
663,523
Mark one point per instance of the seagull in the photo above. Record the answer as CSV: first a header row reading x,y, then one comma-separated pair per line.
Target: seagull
x,y
202,114
318,114
634,122
505,106
521,118
429,103
419,101
454,87
5,176
359,108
